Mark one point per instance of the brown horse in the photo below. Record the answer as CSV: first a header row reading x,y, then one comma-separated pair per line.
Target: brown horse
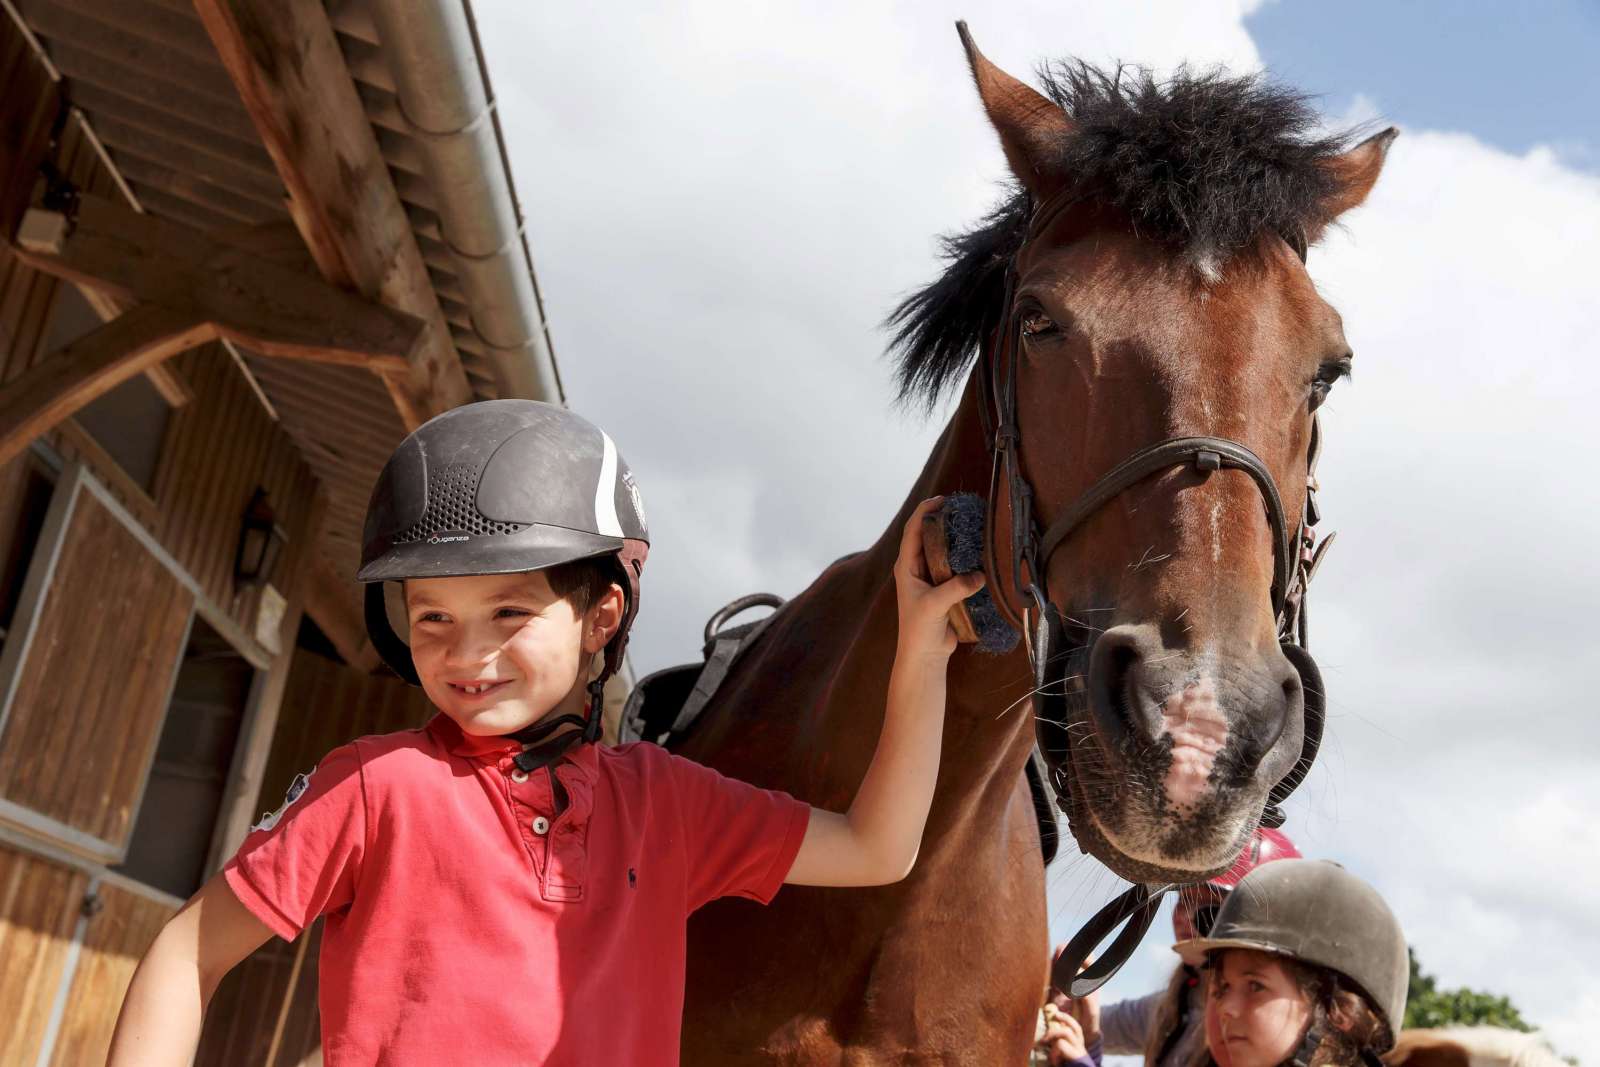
x,y
1165,301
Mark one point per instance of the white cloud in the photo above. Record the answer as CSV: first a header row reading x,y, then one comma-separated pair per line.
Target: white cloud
x,y
723,201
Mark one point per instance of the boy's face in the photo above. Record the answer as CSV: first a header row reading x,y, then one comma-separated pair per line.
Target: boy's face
x,y
497,652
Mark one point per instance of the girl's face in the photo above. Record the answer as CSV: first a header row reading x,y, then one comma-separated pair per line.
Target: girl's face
x,y
1256,1014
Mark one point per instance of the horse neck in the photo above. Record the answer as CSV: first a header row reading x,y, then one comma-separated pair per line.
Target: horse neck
x,y
988,716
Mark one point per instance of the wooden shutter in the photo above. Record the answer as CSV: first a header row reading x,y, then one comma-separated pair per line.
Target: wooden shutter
x,y
87,673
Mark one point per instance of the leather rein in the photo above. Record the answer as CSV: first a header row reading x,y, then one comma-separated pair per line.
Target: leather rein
x,y
1296,557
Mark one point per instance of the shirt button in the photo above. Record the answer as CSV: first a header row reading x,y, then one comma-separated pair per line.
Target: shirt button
x,y
519,776
541,825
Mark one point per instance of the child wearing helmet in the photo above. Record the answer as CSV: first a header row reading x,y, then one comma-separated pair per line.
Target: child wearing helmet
x,y
1167,1027
497,888
1305,965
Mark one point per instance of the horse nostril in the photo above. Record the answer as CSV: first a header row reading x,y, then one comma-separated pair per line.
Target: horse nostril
x,y
1291,690
1266,725
1116,698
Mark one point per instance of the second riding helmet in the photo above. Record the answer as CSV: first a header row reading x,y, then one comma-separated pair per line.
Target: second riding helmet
x,y
499,487
1316,912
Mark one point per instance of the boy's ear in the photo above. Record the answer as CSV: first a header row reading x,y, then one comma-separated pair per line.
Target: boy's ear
x,y
603,619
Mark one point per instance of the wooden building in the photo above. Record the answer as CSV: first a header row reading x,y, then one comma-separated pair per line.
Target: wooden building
x,y
247,244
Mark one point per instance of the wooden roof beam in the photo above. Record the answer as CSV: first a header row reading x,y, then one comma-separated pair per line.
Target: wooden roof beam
x,y
248,299
285,61
182,288
102,359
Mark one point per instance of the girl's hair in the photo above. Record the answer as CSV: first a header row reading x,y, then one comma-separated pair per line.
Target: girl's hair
x,y
1341,1015
1169,1017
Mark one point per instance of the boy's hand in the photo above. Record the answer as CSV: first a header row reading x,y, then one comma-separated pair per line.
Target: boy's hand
x,y
925,608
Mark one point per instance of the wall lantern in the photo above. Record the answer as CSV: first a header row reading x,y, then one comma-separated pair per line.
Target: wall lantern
x,y
261,541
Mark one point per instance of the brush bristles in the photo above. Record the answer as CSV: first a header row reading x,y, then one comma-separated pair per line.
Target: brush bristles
x,y
964,522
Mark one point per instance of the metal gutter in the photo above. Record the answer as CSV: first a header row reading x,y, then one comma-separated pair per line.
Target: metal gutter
x,y
443,94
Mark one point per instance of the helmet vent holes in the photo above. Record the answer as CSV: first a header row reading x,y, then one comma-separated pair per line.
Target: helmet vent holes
x,y
452,507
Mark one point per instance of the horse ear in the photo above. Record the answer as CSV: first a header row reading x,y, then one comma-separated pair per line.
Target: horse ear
x,y
1030,126
1354,173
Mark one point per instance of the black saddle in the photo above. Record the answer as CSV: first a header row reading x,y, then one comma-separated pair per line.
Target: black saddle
x,y
663,706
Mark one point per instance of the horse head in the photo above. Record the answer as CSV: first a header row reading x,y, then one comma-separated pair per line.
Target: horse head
x,y
1148,275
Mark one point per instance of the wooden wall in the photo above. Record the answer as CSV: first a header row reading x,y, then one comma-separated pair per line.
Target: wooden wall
x,y
115,607
218,448
121,928
39,904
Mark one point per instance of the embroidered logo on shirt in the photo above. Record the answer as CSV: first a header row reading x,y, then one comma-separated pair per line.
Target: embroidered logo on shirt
x,y
297,789
633,879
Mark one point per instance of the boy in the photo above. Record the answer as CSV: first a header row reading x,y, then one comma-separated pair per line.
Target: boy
x,y
498,888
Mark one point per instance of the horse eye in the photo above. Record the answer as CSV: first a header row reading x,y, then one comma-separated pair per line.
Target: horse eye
x,y
1327,374
1036,324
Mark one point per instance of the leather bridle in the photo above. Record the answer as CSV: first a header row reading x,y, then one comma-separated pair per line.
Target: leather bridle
x,y
1296,556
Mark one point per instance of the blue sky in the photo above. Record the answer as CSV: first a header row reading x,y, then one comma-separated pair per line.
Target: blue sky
x,y
1513,74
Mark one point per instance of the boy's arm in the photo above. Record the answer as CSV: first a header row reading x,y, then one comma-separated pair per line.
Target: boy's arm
x,y
164,1005
876,841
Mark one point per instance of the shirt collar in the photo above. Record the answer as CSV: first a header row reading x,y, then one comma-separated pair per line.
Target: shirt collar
x,y
447,733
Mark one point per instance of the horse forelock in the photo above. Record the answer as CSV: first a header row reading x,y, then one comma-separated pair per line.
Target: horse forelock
x,y
1201,162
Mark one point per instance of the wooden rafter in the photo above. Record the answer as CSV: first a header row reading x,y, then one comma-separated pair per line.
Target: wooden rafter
x,y
286,64
268,308
164,376
181,288
91,366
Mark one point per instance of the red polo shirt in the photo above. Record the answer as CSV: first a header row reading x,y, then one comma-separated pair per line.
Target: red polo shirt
x,y
468,922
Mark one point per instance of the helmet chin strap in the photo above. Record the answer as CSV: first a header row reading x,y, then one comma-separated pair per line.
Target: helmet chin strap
x,y
1313,1041
1302,1055
536,755
1308,1047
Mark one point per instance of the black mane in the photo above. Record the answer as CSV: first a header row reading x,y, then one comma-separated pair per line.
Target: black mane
x,y
1204,162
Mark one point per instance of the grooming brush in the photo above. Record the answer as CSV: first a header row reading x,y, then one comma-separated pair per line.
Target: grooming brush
x,y
952,543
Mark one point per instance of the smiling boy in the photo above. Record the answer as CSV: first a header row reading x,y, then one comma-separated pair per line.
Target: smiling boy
x,y
498,888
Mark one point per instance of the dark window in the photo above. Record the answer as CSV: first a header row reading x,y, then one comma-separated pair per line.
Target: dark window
x,y
25,491
172,837
130,421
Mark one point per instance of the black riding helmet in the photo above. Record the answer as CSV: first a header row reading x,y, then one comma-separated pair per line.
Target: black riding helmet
x,y
500,487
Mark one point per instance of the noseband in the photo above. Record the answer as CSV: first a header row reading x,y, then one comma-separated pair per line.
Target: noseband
x,y
1295,552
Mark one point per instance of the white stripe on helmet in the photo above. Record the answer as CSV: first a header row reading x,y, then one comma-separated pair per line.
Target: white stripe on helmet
x,y
605,493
